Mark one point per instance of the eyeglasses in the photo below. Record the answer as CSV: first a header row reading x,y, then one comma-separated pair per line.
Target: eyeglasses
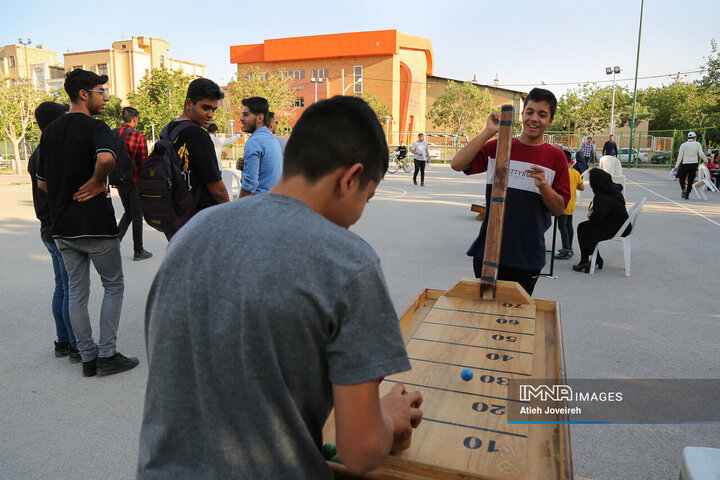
x,y
101,91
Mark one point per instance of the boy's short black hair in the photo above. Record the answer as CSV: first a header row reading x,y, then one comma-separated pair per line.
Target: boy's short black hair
x,y
212,128
333,133
201,88
270,117
568,155
542,95
258,105
48,112
128,113
80,79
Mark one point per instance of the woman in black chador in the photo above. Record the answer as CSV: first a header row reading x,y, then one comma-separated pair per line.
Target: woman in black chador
x,y
606,215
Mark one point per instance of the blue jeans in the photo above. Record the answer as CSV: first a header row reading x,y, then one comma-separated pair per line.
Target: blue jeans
x,y
60,301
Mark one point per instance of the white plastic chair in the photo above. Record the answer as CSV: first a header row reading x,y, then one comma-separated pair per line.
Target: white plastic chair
x,y
700,463
626,241
613,166
703,181
232,183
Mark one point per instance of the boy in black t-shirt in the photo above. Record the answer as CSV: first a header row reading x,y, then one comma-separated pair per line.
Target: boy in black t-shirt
x,y
76,155
195,147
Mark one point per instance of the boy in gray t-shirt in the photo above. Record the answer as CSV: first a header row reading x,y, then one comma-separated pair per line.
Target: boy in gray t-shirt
x,y
267,312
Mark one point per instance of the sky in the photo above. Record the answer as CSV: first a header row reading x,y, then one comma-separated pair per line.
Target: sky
x,y
525,43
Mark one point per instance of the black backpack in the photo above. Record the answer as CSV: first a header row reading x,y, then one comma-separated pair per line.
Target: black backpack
x,y
165,197
124,170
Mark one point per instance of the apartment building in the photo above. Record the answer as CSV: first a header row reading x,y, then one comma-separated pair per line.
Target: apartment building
x,y
128,61
34,63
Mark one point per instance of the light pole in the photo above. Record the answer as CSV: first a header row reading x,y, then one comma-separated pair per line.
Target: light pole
x,y
232,132
316,81
27,66
612,70
387,128
353,83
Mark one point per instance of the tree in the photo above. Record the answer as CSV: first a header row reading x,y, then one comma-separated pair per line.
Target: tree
x,y
588,109
17,113
112,114
380,109
710,86
160,98
677,106
275,87
463,107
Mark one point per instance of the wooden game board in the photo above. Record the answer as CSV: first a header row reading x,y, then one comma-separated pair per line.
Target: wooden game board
x,y
464,432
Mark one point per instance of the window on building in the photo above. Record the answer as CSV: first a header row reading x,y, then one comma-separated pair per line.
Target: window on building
x,y
39,77
251,76
357,75
294,74
320,72
102,69
299,102
11,61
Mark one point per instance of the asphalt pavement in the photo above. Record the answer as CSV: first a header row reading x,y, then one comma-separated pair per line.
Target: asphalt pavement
x,y
662,322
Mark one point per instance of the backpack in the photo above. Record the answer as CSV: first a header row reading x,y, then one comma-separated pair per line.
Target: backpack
x,y
124,170
166,201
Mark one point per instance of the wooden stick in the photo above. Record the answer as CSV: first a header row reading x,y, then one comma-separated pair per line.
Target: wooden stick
x,y
493,237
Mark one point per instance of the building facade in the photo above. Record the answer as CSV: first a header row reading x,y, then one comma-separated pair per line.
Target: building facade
x,y
38,64
128,61
390,65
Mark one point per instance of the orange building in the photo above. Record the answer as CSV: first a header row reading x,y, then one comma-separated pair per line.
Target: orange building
x,y
390,65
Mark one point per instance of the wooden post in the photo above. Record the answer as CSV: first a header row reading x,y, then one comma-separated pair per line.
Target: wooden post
x,y
493,237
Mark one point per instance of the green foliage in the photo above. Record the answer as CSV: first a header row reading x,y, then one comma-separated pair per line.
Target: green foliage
x,y
380,109
222,120
273,86
587,109
463,107
112,112
160,98
678,105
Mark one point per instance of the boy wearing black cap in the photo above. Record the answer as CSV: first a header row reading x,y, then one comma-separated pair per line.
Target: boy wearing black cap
x,y
77,153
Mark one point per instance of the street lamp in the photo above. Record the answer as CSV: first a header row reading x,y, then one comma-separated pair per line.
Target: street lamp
x,y
359,81
316,81
27,66
387,127
613,71
232,132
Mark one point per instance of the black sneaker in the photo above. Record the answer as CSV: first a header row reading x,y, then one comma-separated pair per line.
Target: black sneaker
x,y
422,184
141,255
90,368
74,356
115,364
62,349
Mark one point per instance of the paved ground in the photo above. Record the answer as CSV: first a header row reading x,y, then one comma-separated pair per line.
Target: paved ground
x,y
662,322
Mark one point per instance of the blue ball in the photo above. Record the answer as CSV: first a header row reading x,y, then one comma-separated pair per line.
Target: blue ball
x,y
466,374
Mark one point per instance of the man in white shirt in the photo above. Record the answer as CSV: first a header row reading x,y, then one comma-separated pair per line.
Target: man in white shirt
x,y
421,155
219,142
687,163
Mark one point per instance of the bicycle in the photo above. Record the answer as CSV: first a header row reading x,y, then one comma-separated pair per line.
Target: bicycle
x,y
394,163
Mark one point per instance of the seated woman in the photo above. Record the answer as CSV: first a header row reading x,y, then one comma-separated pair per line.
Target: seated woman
x,y
606,215
713,168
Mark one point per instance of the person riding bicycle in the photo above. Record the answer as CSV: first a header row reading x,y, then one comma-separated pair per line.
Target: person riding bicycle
x,y
401,151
